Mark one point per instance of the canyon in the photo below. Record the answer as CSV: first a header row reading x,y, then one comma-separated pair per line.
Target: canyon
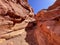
x,y
20,26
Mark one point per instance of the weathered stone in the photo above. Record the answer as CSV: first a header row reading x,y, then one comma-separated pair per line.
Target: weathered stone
x,y
14,17
19,26
47,31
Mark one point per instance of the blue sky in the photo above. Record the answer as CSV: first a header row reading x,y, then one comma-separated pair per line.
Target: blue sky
x,y
37,5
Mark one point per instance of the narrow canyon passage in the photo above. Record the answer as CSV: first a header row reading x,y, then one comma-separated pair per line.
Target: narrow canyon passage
x,y
20,26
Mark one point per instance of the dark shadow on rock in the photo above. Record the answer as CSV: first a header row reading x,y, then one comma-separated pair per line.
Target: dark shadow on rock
x,y
30,33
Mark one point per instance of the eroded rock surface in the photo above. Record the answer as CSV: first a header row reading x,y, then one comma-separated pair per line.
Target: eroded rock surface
x,y
14,17
48,25
19,26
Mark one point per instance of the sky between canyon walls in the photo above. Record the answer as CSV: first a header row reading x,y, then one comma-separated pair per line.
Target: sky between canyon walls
x,y
37,5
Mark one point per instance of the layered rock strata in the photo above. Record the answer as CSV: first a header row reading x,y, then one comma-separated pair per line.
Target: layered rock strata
x,y
14,17
19,25
48,25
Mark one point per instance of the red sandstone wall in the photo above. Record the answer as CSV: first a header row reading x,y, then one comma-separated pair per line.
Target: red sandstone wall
x,y
48,25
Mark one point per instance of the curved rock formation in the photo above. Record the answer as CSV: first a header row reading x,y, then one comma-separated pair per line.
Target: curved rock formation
x,y
48,25
55,5
19,25
14,17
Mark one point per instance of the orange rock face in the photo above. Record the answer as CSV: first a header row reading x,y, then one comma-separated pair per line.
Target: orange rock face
x,y
19,26
55,5
48,25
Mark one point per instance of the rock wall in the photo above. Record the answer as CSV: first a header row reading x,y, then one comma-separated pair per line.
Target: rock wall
x,y
14,17
47,31
19,25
